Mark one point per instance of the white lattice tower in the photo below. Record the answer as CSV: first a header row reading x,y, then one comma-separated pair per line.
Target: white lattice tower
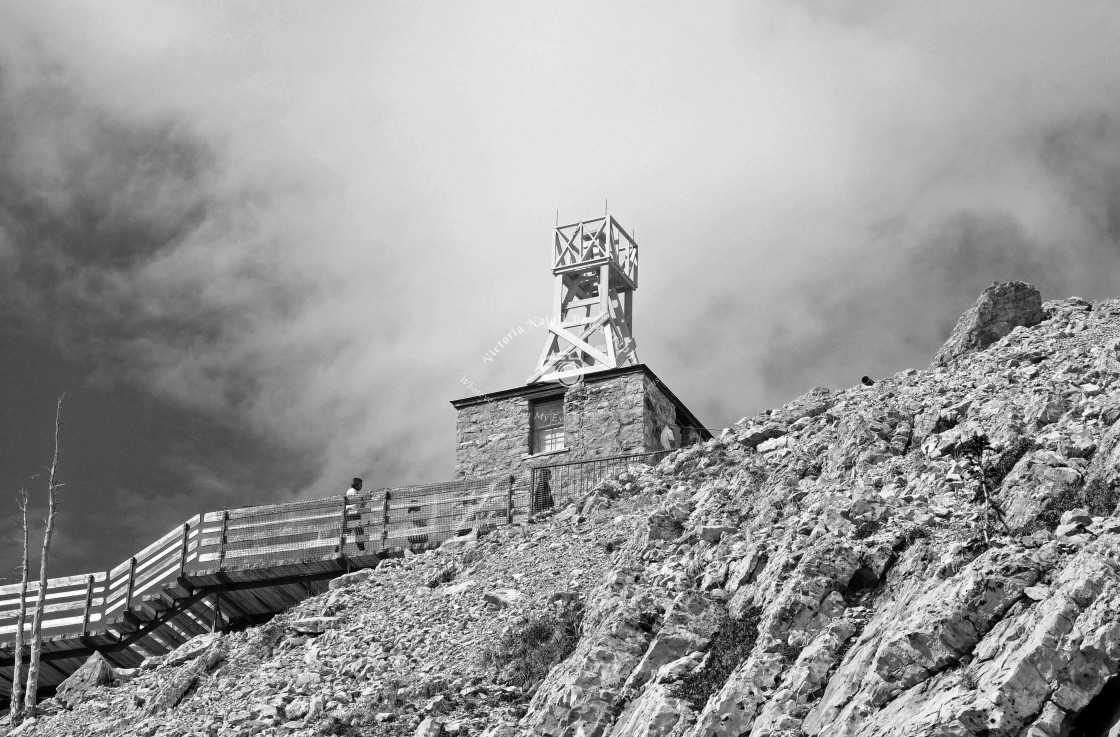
x,y
595,263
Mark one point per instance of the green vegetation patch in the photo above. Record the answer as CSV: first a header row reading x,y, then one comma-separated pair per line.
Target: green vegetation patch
x,y
730,646
525,653
1094,496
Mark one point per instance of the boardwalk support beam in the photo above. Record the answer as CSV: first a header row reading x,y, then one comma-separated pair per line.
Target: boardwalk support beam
x,y
217,625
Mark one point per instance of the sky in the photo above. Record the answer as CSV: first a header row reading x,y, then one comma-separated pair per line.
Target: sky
x,y
260,246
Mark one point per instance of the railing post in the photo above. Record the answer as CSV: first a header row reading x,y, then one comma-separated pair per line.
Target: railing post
x,y
222,539
342,527
217,613
183,549
385,517
89,602
509,509
131,582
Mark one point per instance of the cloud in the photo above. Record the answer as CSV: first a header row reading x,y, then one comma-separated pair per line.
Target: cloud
x,y
947,147
309,226
160,258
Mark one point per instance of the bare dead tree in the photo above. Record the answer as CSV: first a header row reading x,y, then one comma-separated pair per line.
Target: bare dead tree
x,y
21,615
53,486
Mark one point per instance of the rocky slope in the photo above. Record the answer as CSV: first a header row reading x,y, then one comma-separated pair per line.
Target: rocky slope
x,y
937,553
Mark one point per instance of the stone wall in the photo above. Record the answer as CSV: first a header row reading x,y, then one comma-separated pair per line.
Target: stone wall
x,y
491,437
601,419
659,413
605,418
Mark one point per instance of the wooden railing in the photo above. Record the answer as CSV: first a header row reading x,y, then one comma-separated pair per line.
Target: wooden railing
x,y
283,540
73,604
266,537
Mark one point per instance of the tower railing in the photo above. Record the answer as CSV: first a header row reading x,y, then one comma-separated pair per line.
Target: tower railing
x,y
592,240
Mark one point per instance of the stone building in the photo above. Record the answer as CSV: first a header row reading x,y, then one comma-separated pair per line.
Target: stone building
x,y
608,413
589,397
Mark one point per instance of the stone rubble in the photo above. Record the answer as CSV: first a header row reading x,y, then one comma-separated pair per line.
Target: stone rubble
x,y
890,585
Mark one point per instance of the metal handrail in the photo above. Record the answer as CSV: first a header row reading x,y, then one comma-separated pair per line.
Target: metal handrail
x,y
556,484
608,459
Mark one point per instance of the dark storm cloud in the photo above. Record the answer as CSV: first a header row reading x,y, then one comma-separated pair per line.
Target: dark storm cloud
x,y
188,285
102,218
308,225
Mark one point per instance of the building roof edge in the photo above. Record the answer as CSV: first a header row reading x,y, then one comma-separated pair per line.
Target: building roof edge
x,y
544,388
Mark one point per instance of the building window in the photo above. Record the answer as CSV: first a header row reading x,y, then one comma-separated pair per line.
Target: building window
x,y
547,432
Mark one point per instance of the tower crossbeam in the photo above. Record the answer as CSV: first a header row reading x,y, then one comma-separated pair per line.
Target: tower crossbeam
x,y
595,263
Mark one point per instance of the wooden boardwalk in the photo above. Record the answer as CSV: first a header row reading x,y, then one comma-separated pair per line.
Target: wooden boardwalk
x,y
239,567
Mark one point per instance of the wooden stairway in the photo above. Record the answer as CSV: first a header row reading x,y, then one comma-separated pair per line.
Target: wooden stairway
x,y
239,567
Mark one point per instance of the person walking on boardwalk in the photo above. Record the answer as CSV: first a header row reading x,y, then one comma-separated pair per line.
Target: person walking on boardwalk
x,y
354,513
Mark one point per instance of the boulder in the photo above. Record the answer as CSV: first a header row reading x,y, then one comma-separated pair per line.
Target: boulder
x,y
439,704
182,683
503,598
1078,517
350,579
752,437
189,650
713,533
997,311
313,625
93,674
656,713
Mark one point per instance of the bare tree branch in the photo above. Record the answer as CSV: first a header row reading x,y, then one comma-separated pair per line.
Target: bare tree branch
x,y
53,485
21,616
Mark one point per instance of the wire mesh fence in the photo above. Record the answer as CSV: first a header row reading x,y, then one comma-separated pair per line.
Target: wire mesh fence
x,y
276,534
424,516
556,485
356,525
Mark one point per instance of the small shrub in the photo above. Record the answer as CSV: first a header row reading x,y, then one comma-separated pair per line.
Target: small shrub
x,y
1099,497
730,646
866,529
790,652
1095,496
647,622
445,574
612,545
908,538
995,472
526,653
335,727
